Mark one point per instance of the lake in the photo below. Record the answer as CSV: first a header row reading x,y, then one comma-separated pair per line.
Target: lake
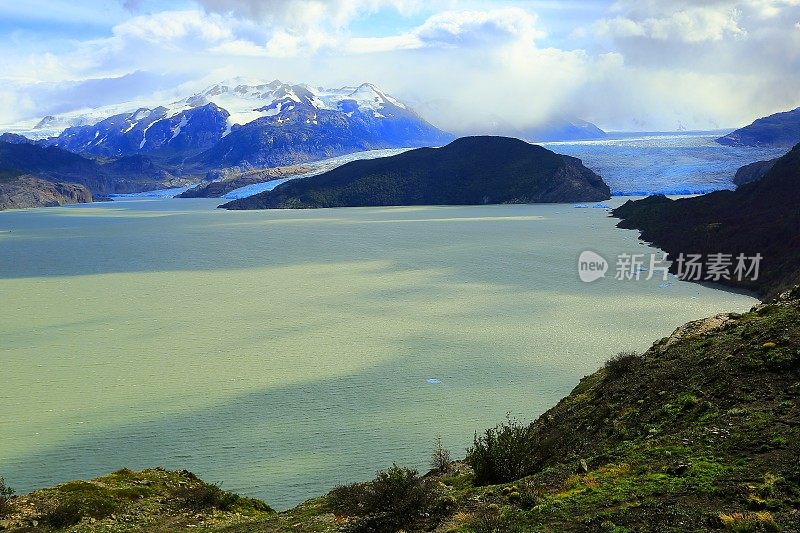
x,y
285,352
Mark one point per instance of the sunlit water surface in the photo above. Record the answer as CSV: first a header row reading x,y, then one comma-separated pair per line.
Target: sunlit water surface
x,y
285,352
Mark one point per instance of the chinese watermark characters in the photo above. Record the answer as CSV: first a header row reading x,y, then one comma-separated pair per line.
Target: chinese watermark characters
x,y
716,267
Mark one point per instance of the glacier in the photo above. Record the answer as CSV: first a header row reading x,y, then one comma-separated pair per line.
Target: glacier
x,y
672,163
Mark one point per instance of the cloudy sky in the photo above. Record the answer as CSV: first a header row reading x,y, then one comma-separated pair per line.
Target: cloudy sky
x,y
624,64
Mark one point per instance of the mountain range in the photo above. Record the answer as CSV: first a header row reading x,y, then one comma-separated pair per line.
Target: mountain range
x,y
558,127
254,124
244,124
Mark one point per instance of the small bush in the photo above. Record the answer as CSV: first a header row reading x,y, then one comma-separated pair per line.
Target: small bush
x,y
502,454
492,519
440,458
6,493
747,522
397,499
79,500
201,496
622,363
529,496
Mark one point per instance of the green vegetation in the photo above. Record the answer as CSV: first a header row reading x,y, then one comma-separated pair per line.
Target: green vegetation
x,y
397,499
468,171
500,454
699,433
155,500
80,499
440,458
6,493
622,363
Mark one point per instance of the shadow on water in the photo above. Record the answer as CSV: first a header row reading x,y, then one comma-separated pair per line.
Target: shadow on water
x,y
291,443
490,305
179,235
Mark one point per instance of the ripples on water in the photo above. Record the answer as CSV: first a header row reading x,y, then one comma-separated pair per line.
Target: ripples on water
x,y
285,352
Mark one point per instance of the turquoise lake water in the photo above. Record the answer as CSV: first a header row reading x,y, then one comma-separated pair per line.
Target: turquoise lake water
x,y
285,352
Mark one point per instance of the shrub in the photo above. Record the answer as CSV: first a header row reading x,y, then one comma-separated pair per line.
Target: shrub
x,y
79,500
747,522
6,493
397,499
492,519
502,454
440,458
529,496
622,363
201,496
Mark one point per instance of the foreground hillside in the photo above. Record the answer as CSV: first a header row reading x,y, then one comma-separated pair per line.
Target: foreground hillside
x,y
760,217
700,433
468,171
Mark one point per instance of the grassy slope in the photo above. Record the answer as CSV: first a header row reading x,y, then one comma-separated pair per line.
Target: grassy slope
x,y
700,433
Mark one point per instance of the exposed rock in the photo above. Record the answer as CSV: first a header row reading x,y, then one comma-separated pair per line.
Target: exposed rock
x,y
231,181
697,328
28,191
753,171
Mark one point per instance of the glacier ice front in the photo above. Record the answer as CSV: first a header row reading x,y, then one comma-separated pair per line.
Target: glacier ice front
x,y
674,164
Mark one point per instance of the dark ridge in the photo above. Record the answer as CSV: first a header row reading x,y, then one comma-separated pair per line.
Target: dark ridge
x,y
468,171
761,217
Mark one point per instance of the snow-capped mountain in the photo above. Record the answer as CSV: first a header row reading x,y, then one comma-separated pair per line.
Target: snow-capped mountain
x,y
242,122
148,131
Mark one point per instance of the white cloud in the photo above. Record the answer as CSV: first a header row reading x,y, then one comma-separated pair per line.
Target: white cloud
x,y
458,28
241,47
691,25
709,63
295,14
171,26
373,45
770,8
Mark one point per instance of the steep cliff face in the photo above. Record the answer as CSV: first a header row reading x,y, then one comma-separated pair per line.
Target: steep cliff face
x,y
28,191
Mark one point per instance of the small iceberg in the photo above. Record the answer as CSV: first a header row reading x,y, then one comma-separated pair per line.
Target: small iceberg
x,y
581,206
601,205
434,381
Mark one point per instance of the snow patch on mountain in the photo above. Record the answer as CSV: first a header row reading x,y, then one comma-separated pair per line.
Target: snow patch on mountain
x,y
244,99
